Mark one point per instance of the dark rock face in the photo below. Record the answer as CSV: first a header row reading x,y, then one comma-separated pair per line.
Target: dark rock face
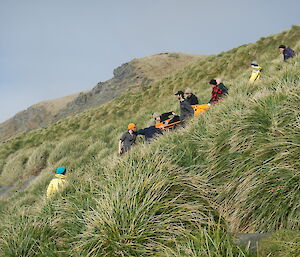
x,y
136,73
250,240
37,116
33,117
124,78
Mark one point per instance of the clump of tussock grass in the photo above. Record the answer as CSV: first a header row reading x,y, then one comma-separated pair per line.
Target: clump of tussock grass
x,y
209,242
16,163
143,203
282,243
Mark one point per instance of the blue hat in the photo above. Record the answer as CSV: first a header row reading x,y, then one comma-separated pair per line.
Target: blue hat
x,y
60,170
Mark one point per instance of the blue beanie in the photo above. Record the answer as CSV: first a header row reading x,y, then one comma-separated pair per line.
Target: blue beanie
x,y
60,170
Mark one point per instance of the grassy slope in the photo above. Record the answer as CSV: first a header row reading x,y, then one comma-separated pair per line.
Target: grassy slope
x,y
218,174
151,68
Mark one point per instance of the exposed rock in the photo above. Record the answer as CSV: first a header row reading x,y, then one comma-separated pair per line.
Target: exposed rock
x,y
136,73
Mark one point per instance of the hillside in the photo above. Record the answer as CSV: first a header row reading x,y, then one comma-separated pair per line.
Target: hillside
x,y
235,169
131,75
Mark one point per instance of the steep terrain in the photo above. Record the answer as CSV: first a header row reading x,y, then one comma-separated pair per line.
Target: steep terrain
x,y
233,169
131,75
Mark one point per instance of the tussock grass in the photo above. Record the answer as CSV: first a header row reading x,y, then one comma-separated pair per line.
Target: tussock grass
x,y
235,168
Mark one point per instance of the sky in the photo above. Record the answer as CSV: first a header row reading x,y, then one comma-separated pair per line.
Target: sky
x,y
54,48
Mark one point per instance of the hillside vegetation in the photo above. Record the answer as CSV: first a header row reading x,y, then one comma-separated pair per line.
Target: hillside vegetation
x,y
233,169
129,76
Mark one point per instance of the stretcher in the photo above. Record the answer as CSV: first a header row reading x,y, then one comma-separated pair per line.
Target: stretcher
x,y
167,125
200,108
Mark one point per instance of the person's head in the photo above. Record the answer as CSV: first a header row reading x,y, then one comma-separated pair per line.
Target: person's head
x,y
281,48
254,64
188,92
219,81
180,95
156,116
213,83
131,127
61,171
151,123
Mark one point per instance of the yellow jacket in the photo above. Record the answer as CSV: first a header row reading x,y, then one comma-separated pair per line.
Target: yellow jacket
x,y
56,184
255,75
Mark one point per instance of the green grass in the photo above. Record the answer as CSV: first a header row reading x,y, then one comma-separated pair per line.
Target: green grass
x,y
234,169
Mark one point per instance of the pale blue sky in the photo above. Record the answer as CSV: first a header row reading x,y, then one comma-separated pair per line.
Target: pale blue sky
x,y
53,48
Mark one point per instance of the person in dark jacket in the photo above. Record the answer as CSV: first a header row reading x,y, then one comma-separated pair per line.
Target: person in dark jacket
x,y
163,117
192,99
166,118
287,52
186,110
217,92
127,140
151,132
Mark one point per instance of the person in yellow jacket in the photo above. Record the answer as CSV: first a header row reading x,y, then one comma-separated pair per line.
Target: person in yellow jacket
x,y
255,75
57,182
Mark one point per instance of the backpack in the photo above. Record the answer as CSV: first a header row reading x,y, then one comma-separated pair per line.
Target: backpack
x,y
290,52
224,88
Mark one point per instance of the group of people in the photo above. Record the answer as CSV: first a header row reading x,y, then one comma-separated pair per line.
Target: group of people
x,y
186,99
287,53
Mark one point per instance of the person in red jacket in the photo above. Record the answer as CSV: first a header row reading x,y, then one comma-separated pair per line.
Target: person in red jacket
x,y
217,92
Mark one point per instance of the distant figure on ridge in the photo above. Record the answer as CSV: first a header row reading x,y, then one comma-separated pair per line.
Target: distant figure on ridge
x,y
190,97
217,92
286,52
150,132
127,140
57,182
222,86
255,75
186,110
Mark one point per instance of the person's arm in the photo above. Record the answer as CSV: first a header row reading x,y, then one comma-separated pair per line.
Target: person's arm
x,y
120,146
50,190
165,116
122,138
141,132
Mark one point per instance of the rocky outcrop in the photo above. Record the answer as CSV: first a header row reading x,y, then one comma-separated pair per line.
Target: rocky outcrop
x,y
136,73
125,77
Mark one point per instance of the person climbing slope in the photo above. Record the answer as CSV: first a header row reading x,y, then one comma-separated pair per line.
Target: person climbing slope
x,y
217,93
222,86
128,138
186,110
286,52
190,97
57,182
255,75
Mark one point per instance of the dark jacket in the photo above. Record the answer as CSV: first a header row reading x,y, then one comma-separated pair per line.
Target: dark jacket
x,y
288,53
186,110
165,116
224,88
128,140
193,99
149,132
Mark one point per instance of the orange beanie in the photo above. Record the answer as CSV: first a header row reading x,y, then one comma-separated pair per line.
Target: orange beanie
x,y
131,126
